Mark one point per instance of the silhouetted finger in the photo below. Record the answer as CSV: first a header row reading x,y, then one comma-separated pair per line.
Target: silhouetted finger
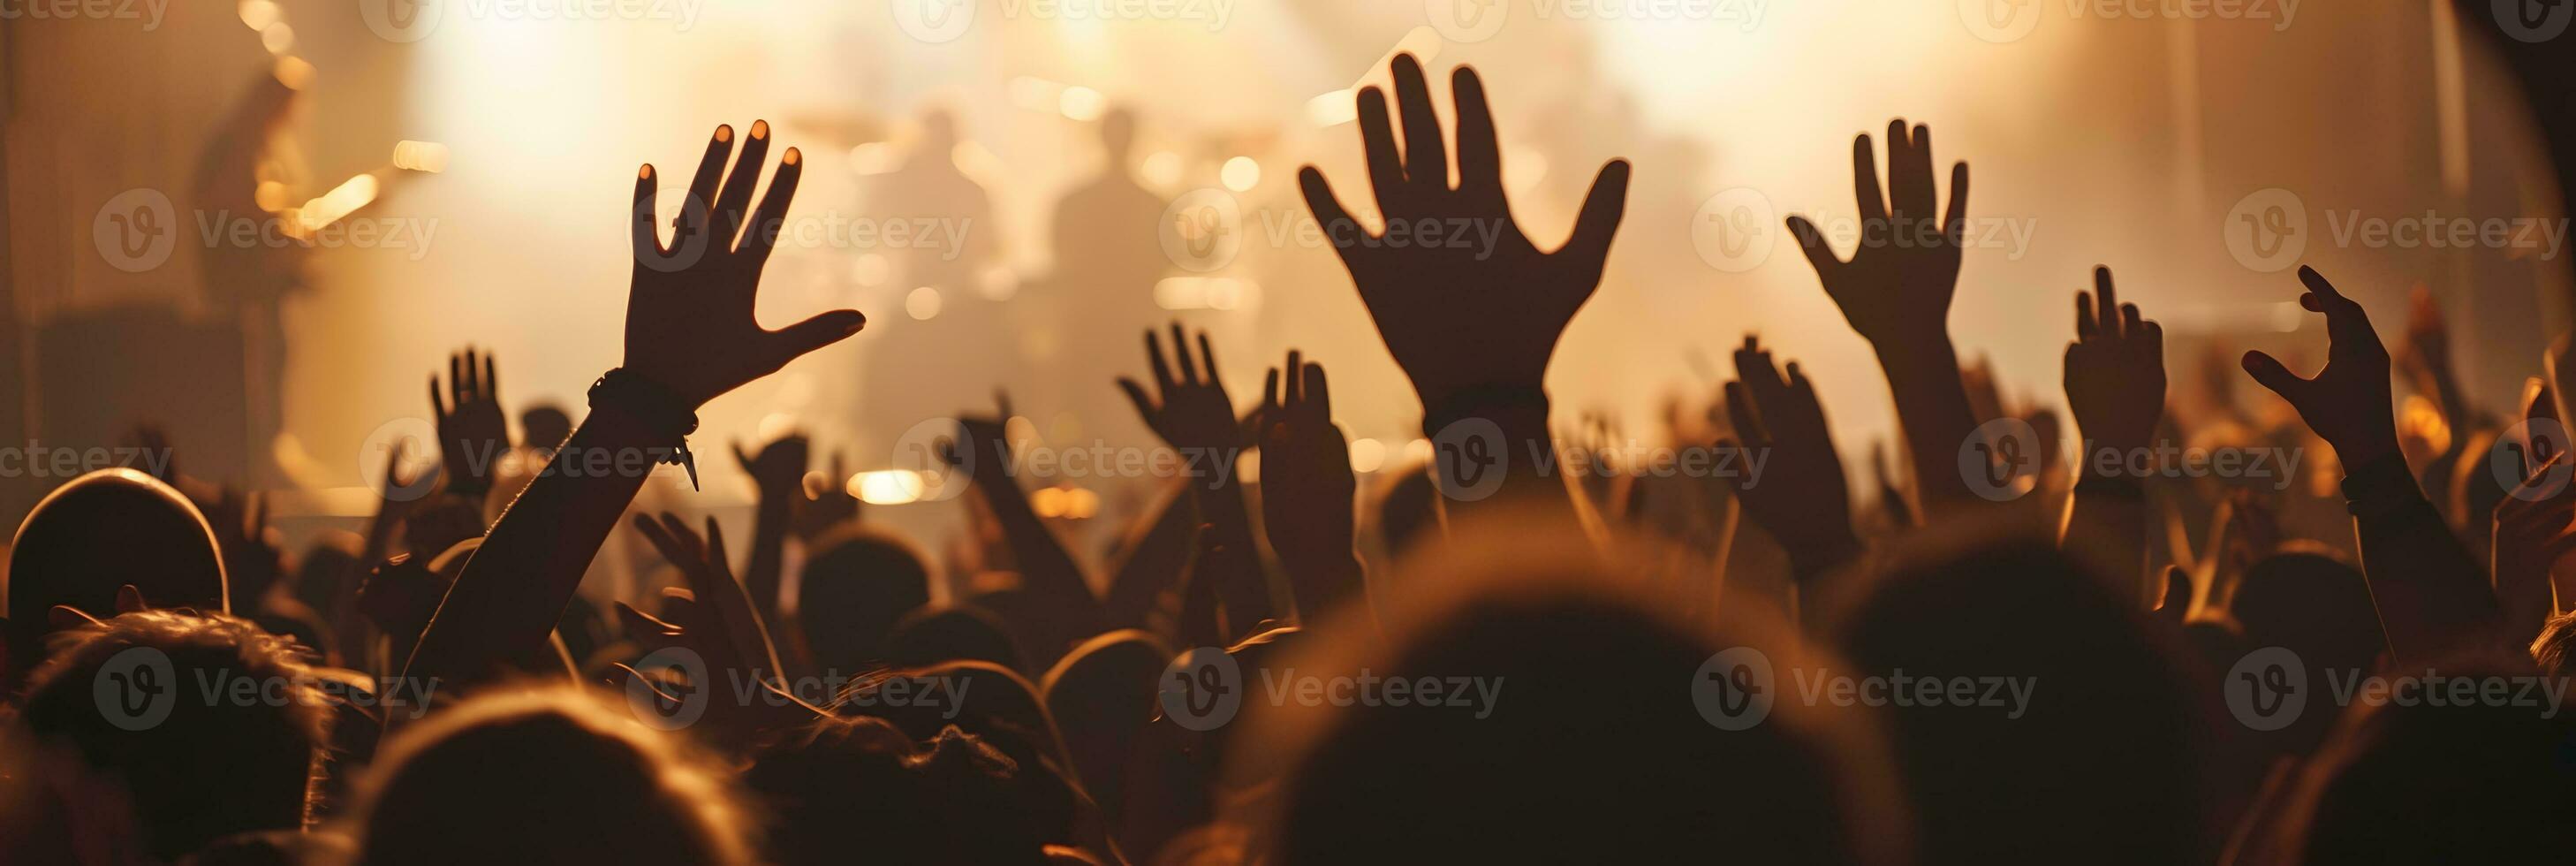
x,y
2107,298
702,186
1741,413
1163,381
2087,321
1181,352
1426,157
1820,255
1207,360
646,236
1599,220
2268,372
1909,176
1296,379
770,217
1873,205
820,330
1144,402
1377,142
1954,222
1317,393
734,198
1480,161
1329,213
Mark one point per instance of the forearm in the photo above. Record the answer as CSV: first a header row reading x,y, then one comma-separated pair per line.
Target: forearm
x,y
2432,596
510,596
1157,555
1228,523
1932,409
1046,568
2109,522
762,576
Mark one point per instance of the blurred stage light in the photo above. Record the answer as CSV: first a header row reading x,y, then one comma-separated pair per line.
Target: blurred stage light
x,y
423,156
887,487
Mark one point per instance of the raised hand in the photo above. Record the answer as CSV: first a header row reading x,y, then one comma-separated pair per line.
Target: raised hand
x,y
731,631
983,447
1480,307
779,473
472,430
1193,415
1307,489
2531,532
1799,494
826,505
2115,371
779,469
689,325
2348,402
1896,288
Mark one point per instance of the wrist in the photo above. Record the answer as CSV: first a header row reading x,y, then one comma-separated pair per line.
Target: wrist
x,y
2365,450
1929,354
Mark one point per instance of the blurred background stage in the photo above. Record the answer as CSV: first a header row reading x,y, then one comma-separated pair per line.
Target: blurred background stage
x,y
1065,174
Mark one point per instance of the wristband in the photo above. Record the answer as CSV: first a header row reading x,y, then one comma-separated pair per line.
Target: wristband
x,y
669,417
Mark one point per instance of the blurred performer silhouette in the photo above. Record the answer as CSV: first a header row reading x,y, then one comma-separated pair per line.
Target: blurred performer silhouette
x,y
945,288
1100,297
251,282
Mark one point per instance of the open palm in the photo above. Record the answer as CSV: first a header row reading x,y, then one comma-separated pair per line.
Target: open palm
x,y
689,325
1460,294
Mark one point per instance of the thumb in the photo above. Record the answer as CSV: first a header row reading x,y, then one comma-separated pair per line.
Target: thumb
x,y
2177,603
2269,373
794,341
1599,219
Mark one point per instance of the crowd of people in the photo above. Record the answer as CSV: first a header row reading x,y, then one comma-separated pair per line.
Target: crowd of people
x,y
1992,650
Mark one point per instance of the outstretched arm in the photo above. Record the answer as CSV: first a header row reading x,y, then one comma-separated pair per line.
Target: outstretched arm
x,y
2431,594
1196,418
2115,386
1047,570
1785,470
1308,494
1472,324
779,472
1896,292
690,336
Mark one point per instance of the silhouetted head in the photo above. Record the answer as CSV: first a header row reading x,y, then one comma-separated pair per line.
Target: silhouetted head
x,y
119,716
1405,510
931,635
2312,603
853,591
544,776
1102,695
859,789
998,706
544,425
1118,133
2480,781
2555,650
1550,713
102,531
333,558
2076,737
